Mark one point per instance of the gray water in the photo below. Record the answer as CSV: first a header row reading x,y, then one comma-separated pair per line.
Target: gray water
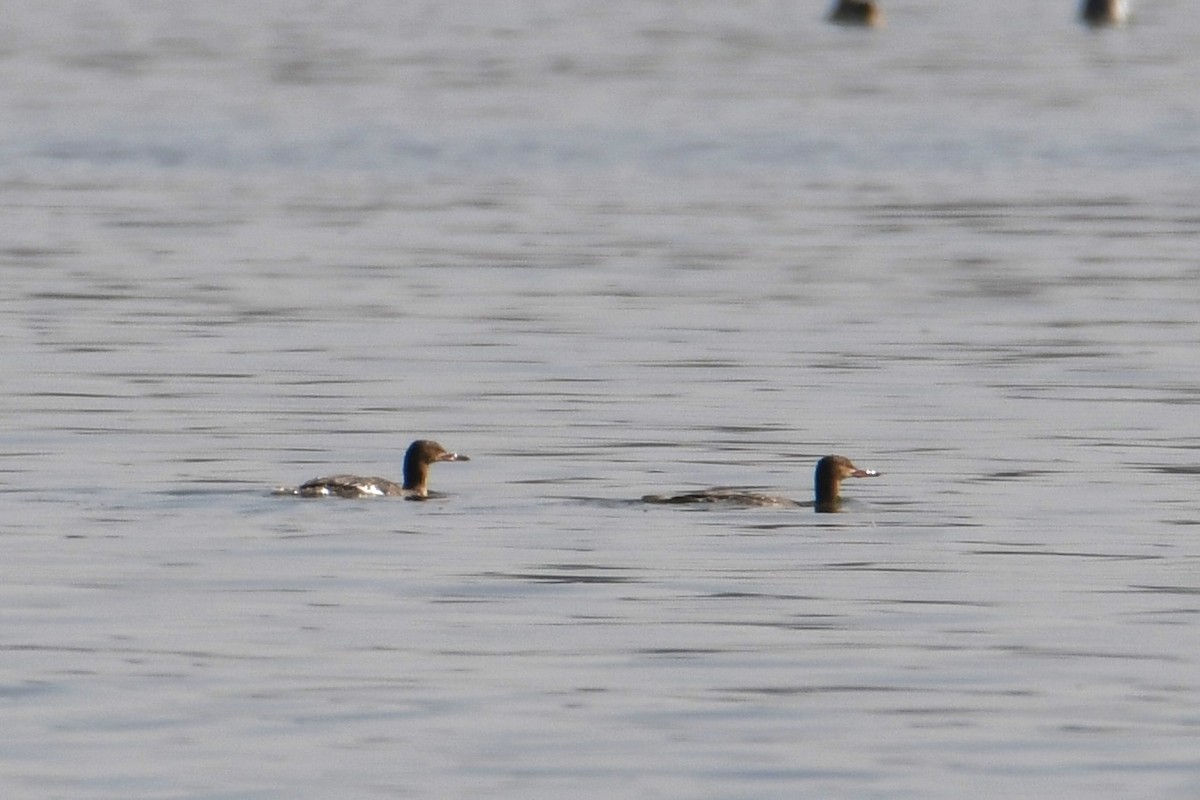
x,y
605,250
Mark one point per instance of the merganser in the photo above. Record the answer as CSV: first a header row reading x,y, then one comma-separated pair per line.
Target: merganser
x,y
856,12
417,458
827,481
1104,12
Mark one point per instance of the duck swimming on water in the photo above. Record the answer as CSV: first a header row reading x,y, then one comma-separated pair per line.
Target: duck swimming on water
x,y
856,12
1104,12
827,482
417,459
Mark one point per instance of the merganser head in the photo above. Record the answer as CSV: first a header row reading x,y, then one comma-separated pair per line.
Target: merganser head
x,y
827,481
418,457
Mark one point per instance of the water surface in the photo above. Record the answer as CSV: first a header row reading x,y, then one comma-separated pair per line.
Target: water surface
x,y
605,252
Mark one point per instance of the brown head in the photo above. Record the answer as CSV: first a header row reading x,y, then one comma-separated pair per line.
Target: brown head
x,y
418,457
1103,12
856,12
827,482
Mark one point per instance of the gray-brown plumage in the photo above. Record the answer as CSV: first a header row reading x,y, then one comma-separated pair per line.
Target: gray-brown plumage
x,y
827,483
417,460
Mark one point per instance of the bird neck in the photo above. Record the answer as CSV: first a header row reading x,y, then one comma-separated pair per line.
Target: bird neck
x,y
416,476
827,489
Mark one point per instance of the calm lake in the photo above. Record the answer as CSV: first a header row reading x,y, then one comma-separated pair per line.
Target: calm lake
x,y
605,250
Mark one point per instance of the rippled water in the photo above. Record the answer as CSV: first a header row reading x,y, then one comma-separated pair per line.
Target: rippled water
x,y
605,251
